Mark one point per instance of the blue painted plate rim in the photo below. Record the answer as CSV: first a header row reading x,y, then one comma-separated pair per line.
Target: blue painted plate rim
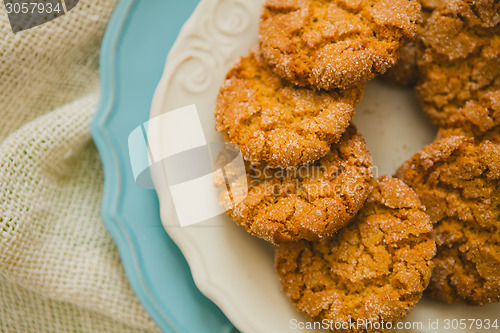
x,y
114,221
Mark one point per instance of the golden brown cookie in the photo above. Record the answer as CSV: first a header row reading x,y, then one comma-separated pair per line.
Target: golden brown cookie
x,y
458,179
405,70
273,121
493,134
372,272
459,65
335,44
309,202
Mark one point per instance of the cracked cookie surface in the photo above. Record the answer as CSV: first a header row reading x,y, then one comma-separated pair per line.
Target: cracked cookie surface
x,y
335,44
375,269
273,121
405,70
309,202
458,179
459,65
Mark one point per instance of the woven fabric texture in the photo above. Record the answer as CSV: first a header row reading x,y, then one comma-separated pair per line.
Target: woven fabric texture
x,y
59,268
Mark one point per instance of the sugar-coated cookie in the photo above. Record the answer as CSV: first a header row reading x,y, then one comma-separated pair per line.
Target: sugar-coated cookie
x,y
273,121
372,272
405,71
459,65
309,202
458,179
335,44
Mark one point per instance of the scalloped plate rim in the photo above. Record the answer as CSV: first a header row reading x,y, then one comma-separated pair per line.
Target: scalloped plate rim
x,y
113,220
200,272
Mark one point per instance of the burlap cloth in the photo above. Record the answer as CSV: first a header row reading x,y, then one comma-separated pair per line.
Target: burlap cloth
x,y
59,268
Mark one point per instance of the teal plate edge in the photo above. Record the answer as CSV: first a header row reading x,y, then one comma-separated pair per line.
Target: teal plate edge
x,y
133,52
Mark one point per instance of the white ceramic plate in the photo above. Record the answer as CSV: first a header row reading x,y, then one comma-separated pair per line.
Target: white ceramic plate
x,y
232,268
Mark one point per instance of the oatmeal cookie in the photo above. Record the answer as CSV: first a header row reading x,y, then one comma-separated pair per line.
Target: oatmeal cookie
x,y
273,121
335,44
458,179
459,65
309,202
372,271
